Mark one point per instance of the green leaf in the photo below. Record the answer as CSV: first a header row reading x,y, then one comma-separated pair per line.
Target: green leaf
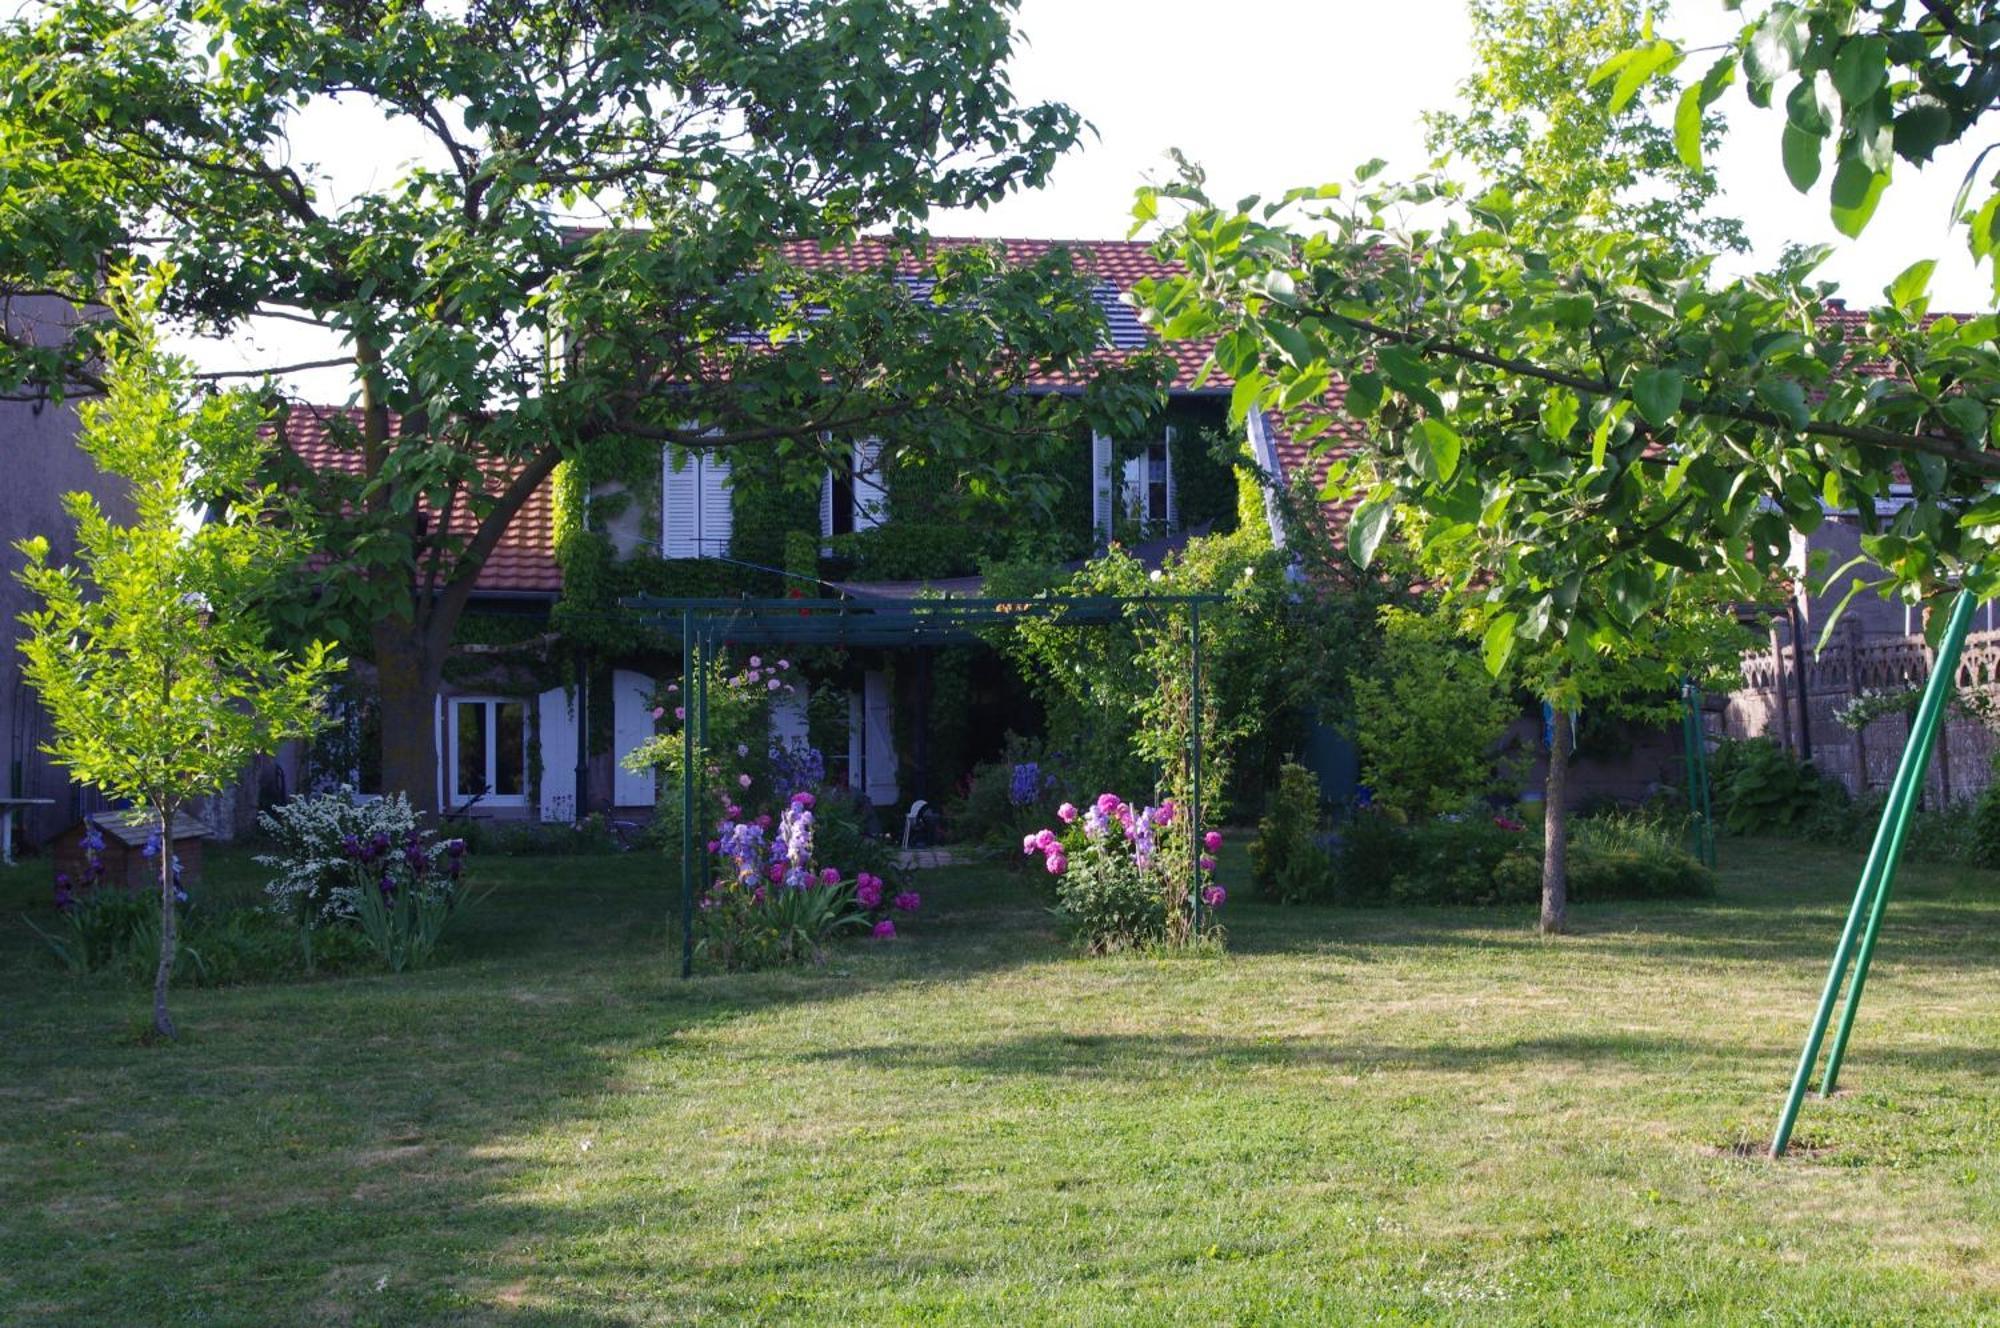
x,y
1856,191
1244,396
1911,284
1365,529
1801,152
1967,417
1631,591
1437,449
1659,57
1672,552
1560,412
1657,394
1498,642
1687,126
1860,68
1776,46
1364,395
1292,343
1787,398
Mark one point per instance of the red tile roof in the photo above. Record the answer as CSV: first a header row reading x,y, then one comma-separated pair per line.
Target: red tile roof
x,y
525,559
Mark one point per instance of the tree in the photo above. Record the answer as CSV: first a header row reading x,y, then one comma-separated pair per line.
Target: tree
x,y
1535,125
587,256
152,654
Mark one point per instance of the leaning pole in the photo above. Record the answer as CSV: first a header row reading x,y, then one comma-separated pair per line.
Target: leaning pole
x,y
1878,876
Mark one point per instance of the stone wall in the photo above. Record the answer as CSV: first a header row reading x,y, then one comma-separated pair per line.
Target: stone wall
x,y
1852,665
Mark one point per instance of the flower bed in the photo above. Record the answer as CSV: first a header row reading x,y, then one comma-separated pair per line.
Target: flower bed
x,y
1122,881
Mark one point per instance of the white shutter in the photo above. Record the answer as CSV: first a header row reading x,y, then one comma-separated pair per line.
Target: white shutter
x,y
826,505
680,504
555,734
718,519
1173,497
879,746
1100,486
871,501
1132,494
631,725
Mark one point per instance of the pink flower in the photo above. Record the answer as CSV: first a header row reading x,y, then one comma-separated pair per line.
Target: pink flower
x,y
1045,840
765,820
732,811
1066,813
868,893
804,799
773,685
1107,803
1207,863
908,902
659,712
1215,896
1058,863
673,687
784,663
756,661
715,846
680,712
743,781
1028,844
829,876
1167,810
885,930
1212,841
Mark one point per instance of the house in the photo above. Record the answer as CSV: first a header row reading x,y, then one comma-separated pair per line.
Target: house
x,y
38,441
519,737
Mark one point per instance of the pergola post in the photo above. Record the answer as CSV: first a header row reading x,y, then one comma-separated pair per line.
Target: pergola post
x,y
687,793
1194,763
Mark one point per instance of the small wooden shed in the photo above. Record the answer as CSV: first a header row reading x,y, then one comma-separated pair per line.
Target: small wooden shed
x,y
124,852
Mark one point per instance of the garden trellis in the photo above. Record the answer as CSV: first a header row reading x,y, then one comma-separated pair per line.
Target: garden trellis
x,y
887,624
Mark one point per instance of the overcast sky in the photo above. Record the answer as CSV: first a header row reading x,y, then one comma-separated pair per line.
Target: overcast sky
x,y
1267,94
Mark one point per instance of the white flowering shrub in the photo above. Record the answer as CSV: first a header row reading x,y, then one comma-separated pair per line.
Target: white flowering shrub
x,y
312,849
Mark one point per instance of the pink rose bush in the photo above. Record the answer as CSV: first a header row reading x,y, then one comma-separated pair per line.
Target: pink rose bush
x,y
1122,873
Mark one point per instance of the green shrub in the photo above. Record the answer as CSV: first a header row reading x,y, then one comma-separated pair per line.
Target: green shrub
x,y
1455,860
1986,823
1287,863
1368,857
1428,717
1759,789
1110,903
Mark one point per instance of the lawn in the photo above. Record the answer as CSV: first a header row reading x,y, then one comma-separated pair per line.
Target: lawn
x,y
1386,1116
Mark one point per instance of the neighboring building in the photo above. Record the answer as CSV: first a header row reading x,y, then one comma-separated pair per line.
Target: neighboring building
x,y
41,461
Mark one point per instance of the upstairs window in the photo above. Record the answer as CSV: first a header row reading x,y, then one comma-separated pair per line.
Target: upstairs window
x,y
695,514
852,496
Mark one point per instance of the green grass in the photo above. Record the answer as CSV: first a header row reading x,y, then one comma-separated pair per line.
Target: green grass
x,y
1394,1116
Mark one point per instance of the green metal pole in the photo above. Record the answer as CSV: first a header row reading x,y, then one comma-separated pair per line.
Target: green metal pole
x,y
1901,800
1701,783
687,794
1687,762
1937,698
1194,762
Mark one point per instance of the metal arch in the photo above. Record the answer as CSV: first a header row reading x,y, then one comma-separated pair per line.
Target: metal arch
x,y
905,624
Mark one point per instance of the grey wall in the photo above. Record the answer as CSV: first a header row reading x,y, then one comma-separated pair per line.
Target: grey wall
x,y
39,462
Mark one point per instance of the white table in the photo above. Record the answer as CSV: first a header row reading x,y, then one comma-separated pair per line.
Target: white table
x,y
7,807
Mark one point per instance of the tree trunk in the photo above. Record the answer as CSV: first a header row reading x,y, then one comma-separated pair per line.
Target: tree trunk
x,y
407,680
163,1023
1555,829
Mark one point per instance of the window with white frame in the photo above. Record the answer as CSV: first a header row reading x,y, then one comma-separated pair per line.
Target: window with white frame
x,y
488,750
853,495
695,514
1137,494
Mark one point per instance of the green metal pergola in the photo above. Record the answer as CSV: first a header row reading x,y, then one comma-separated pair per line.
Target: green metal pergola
x,y
1878,877
889,624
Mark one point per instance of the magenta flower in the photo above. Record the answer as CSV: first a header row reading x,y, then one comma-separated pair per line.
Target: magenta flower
x,y
1167,810
1107,803
673,687
714,846
1058,863
743,781
680,712
732,811
784,663
1045,840
1207,863
1028,844
885,930
829,876
659,712
773,685
869,893
777,871
757,895
804,799
1212,841
1215,896
1066,813
756,661
908,902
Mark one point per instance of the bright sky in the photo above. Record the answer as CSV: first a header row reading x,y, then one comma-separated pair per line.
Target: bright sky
x,y
1267,94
